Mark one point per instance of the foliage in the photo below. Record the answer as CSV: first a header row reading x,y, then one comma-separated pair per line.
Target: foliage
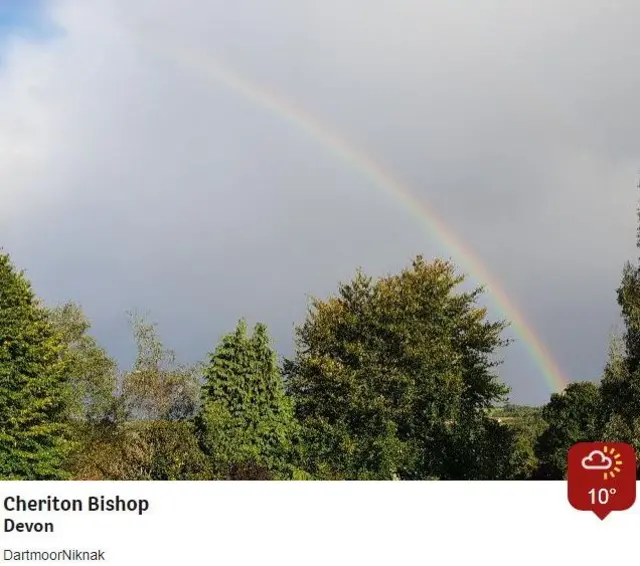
x,y
575,415
393,378
527,424
141,450
142,433
621,380
91,373
158,388
245,424
33,374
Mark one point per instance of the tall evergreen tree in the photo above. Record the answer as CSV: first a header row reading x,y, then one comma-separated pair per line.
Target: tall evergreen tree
x,y
33,404
245,424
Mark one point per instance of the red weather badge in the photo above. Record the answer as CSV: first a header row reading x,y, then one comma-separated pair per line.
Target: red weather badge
x,y
601,477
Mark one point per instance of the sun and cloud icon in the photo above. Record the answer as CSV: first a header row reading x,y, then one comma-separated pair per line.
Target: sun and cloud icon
x,y
606,460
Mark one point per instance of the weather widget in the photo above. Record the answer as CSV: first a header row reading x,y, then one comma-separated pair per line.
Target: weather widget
x,y
601,477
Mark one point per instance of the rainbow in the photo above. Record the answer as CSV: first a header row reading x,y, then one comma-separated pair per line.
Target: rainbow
x,y
207,67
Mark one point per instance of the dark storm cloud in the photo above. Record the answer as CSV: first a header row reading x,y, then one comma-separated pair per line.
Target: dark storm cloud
x,y
128,181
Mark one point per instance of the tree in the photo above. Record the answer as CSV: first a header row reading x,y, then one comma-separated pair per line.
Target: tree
x,y
91,384
575,415
394,379
145,433
33,378
142,450
158,388
244,425
527,424
91,373
621,381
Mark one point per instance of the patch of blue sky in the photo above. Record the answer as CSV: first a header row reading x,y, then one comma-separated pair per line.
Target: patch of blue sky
x,y
26,19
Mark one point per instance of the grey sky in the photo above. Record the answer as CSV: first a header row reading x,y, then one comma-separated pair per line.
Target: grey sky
x,y
129,182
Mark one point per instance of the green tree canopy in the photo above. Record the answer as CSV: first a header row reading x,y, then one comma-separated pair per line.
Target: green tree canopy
x,y
143,433
33,376
245,423
394,378
527,424
142,450
575,415
621,381
91,373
